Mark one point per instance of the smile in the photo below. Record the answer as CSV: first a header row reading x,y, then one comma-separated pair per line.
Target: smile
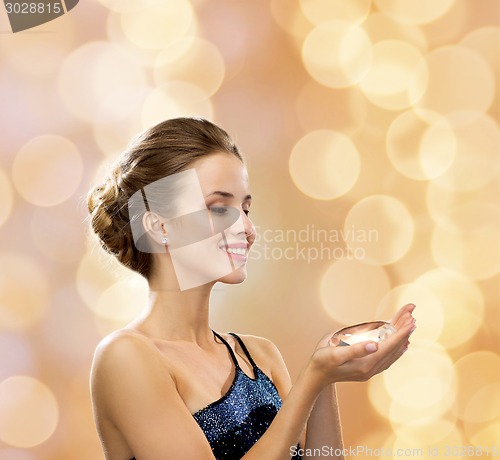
x,y
238,251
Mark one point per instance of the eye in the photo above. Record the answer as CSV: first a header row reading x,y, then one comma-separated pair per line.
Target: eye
x,y
218,210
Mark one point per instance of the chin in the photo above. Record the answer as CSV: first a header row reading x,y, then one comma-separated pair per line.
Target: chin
x,y
236,277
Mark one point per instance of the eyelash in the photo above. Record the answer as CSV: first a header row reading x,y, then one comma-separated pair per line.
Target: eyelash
x,y
221,210
218,210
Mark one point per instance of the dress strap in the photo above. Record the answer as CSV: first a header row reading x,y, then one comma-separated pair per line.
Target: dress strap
x,y
231,352
244,348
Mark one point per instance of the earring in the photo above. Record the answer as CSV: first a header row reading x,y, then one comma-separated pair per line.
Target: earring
x,y
164,240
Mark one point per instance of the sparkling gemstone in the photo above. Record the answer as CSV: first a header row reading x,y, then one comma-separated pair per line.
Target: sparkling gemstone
x,y
375,331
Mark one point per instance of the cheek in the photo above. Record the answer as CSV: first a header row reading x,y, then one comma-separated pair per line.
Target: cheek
x,y
239,226
201,263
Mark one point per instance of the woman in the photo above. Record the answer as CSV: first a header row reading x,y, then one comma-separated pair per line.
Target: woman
x,y
176,210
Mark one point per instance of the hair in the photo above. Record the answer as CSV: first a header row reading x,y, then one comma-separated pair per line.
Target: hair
x,y
167,148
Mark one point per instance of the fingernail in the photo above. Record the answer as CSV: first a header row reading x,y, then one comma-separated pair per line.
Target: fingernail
x,y
371,347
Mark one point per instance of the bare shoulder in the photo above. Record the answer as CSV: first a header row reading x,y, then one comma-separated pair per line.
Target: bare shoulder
x,y
124,354
268,357
132,383
260,345
118,346
120,341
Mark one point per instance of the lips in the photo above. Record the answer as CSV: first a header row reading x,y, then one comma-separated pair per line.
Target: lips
x,y
237,250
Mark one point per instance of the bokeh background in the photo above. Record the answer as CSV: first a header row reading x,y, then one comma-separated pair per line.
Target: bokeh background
x,y
371,133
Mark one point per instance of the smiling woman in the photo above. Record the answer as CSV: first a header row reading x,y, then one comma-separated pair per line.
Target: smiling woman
x,y
176,209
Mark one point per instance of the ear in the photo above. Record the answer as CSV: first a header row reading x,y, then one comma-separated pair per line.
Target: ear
x,y
153,225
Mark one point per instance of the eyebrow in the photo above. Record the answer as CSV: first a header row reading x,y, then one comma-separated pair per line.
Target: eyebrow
x,y
228,195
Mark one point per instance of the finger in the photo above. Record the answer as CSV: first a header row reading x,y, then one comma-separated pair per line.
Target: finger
x,y
402,313
359,350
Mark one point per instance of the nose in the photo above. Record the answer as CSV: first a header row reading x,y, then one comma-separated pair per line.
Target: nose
x,y
249,227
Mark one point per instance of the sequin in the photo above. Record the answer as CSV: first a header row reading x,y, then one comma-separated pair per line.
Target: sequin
x,y
236,421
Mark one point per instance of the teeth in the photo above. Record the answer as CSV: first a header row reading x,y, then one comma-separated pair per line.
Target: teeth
x,y
239,251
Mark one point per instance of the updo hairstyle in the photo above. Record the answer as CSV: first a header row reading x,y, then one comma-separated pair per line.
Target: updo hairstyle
x,y
165,149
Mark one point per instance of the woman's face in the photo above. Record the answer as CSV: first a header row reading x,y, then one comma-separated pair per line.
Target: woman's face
x,y
210,238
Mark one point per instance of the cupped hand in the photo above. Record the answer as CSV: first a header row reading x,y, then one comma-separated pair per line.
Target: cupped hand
x,y
363,360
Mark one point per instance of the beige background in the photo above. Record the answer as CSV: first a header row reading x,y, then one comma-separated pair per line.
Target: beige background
x,y
371,134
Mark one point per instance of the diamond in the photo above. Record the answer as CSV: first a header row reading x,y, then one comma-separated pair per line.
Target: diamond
x,y
375,331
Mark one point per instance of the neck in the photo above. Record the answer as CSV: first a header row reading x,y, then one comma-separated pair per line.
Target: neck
x,y
172,314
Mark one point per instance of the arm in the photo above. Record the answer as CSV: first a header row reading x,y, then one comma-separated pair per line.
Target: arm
x,y
133,388
324,428
314,392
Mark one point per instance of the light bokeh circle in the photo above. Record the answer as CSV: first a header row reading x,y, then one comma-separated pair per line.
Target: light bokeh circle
x,y
21,53
467,240
120,303
121,6
337,54
382,227
324,164
450,443
421,144
175,99
461,301
351,289
484,41
112,138
20,357
414,11
429,313
96,272
158,23
487,435
382,27
28,411
319,11
423,378
484,405
114,82
115,34
321,108
196,53
53,232
7,197
427,432
477,159
397,77
24,292
399,413
16,454
484,365
441,201
291,19
459,80
47,170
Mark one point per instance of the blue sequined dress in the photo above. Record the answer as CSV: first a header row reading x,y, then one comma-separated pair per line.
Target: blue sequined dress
x,y
236,421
